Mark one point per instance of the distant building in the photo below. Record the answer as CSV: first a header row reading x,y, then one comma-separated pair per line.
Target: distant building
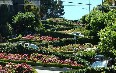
x,y
18,5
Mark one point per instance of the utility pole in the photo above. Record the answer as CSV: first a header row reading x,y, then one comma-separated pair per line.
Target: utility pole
x,y
102,6
89,10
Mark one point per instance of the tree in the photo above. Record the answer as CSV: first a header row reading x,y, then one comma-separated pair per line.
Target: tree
x,y
95,22
110,18
57,9
25,23
98,20
31,8
104,8
107,44
83,20
51,8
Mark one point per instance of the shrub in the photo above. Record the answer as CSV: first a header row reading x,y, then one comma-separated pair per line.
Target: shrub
x,y
93,70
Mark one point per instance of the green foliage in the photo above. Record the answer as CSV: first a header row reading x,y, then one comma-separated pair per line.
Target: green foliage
x,y
16,48
107,44
25,22
103,8
31,8
87,55
6,30
110,18
82,20
93,70
98,20
56,8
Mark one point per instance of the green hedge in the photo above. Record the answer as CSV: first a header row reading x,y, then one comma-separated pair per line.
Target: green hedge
x,y
92,40
57,27
56,34
93,70
67,52
14,48
61,29
67,41
72,57
87,55
26,40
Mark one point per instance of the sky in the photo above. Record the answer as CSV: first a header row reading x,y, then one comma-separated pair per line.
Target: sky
x,y
76,12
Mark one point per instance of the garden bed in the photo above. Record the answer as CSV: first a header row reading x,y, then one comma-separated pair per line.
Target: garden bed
x,y
8,67
39,59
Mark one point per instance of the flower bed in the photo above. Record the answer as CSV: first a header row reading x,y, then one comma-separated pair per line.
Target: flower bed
x,y
22,50
71,48
45,59
15,68
33,38
43,38
48,38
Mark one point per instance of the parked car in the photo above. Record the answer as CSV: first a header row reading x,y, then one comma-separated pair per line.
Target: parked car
x,y
101,61
78,34
29,45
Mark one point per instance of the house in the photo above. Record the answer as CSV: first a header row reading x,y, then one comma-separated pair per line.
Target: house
x,y
18,5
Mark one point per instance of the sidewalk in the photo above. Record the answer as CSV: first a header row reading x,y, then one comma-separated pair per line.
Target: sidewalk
x,y
41,69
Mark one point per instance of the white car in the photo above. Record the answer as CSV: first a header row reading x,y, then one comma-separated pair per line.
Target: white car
x,y
78,34
99,61
31,45
100,64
